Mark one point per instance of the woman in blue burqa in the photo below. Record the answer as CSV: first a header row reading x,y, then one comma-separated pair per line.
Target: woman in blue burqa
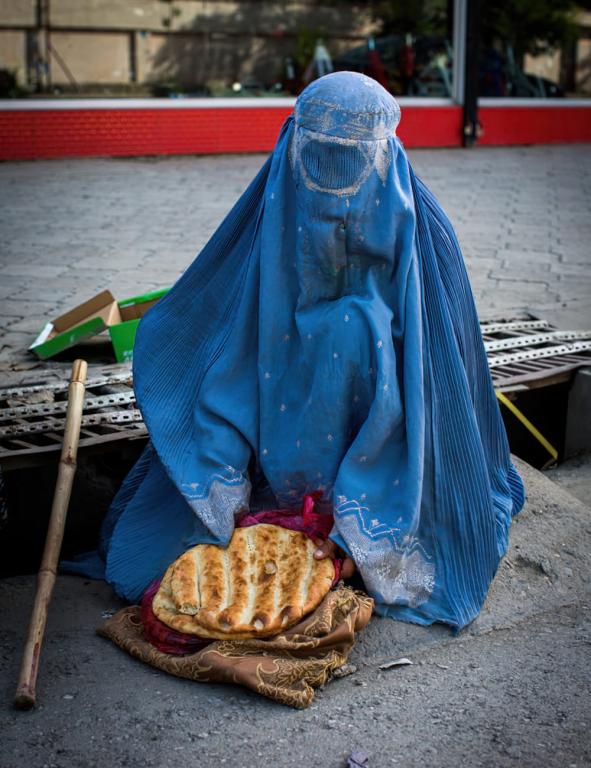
x,y
326,339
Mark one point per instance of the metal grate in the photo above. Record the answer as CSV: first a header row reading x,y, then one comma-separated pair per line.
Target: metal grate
x,y
33,413
522,353
528,352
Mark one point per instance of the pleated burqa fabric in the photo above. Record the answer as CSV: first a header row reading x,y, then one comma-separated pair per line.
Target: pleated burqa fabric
x,y
326,339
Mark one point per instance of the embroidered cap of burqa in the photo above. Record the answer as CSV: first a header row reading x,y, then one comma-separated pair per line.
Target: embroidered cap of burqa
x,y
327,336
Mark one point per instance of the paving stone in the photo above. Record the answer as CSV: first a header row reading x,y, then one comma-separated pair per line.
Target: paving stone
x,y
573,271
526,273
512,295
30,324
35,270
72,228
529,262
17,340
13,305
480,267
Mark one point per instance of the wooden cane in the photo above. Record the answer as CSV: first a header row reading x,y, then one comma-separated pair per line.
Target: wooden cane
x,y
25,693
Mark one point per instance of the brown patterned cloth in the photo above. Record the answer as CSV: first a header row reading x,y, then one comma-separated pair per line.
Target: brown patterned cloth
x,y
285,668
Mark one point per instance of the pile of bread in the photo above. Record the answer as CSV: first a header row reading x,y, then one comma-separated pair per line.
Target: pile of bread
x,y
265,581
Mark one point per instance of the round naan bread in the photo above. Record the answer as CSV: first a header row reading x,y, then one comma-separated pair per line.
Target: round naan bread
x,y
262,583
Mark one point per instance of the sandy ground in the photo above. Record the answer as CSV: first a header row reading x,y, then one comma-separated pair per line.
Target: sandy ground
x,y
574,475
511,690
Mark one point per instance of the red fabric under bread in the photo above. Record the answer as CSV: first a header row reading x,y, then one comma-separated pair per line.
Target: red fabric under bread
x,y
313,524
162,637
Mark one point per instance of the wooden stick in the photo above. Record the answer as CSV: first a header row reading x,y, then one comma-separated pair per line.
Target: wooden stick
x,y
25,693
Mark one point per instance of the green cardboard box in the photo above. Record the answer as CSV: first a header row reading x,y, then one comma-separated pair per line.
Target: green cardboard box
x,y
97,315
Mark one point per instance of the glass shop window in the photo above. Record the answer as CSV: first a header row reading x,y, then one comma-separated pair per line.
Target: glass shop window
x,y
404,45
207,48
277,48
535,49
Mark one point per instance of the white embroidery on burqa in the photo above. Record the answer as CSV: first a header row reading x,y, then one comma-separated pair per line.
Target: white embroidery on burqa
x,y
382,160
394,566
341,111
216,504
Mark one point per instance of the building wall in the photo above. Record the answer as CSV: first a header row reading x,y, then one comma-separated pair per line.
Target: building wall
x,y
46,128
233,17
583,71
546,65
200,61
91,58
115,127
17,13
13,53
191,42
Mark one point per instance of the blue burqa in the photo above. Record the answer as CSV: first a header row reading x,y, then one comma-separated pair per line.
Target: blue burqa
x,y
326,339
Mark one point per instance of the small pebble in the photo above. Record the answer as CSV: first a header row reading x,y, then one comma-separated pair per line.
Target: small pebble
x,y
344,670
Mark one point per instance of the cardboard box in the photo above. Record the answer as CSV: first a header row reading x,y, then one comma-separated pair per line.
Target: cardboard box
x,y
102,313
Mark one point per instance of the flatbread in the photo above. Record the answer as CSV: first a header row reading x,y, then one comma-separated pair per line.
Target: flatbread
x,y
262,583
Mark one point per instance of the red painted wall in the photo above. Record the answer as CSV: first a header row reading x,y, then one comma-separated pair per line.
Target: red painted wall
x,y
46,133
431,126
127,132
535,125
